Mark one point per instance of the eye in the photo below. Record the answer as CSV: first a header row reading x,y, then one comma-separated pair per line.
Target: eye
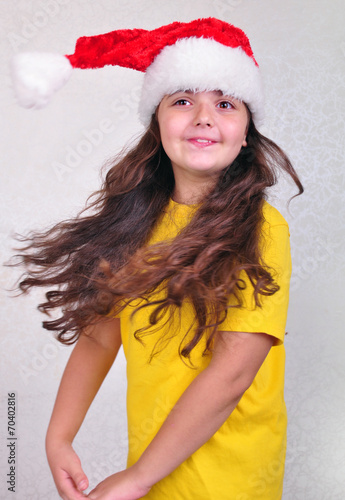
x,y
182,102
225,105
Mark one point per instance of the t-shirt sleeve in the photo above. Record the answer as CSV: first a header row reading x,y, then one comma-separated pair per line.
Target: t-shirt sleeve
x,y
271,317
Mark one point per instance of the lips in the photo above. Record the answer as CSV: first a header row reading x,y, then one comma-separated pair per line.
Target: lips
x,y
202,141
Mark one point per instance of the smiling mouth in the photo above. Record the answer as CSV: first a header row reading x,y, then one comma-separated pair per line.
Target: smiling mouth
x,y
201,142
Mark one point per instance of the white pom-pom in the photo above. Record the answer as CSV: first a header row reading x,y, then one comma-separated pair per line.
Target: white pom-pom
x,y
37,76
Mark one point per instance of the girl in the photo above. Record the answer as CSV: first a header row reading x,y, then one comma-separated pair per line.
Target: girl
x,y
182,261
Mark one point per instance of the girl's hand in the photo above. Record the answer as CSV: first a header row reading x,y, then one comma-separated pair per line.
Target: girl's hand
x,y
68,475
123,485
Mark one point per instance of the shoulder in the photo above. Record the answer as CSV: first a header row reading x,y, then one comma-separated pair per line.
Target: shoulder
x,y
272,216
275,236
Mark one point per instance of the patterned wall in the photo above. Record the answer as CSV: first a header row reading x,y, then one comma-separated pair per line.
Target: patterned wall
x,y
51,160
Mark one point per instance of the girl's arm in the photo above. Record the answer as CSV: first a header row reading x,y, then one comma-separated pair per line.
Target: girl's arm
x,y
86,369
198,414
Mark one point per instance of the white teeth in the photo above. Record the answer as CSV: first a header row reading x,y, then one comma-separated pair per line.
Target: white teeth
x,y
202,140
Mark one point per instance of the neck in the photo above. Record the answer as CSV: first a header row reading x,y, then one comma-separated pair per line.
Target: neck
x,y
191,191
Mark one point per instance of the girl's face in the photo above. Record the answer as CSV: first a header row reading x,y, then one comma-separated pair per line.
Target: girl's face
x,y
202,133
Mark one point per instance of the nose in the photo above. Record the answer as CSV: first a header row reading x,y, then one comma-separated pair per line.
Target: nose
x,y
203,115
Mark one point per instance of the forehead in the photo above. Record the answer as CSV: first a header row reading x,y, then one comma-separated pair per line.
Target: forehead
x,y
217,93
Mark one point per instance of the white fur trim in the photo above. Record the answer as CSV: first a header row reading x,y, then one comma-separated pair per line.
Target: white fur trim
x,y
202,64
37,76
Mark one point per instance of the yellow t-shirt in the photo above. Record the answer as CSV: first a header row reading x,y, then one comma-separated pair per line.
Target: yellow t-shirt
x,y
244,460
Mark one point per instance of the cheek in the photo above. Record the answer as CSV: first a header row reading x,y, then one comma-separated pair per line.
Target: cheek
x,y
165,140
236,134
170,135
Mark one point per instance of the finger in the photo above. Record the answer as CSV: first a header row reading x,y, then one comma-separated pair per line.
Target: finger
x,y
67,487
69,491
78,476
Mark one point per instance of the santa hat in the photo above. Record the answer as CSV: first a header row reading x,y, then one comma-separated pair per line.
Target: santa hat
x,y
202,55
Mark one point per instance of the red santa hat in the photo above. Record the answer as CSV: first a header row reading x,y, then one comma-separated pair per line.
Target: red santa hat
x,y
201,55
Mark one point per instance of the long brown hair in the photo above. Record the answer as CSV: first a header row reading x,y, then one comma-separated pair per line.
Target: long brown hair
x,y
98,261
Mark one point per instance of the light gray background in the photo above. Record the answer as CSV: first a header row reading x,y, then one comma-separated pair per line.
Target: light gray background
x,y
49,166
